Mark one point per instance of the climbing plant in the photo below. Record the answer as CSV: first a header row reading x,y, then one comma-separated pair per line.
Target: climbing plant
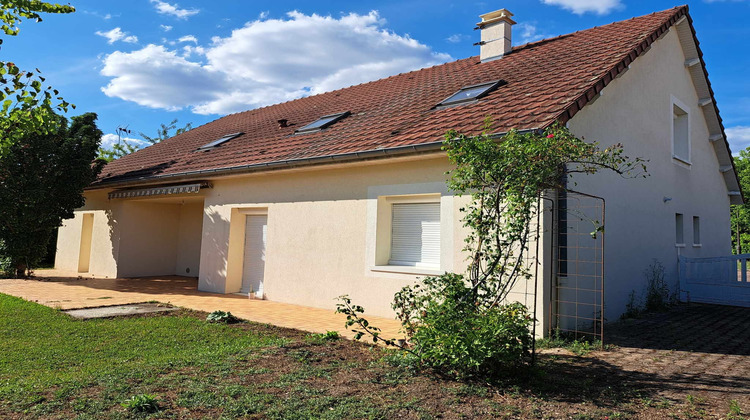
x,y
461,323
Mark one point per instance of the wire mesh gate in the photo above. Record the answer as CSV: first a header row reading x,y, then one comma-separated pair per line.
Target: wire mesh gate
x,y
577,301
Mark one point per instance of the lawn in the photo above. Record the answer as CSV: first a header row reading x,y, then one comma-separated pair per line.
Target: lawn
x,y
52,366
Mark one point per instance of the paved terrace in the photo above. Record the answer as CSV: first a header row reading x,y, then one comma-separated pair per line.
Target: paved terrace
x,y
64,290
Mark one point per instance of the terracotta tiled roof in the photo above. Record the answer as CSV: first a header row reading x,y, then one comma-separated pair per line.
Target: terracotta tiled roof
x,y
547,81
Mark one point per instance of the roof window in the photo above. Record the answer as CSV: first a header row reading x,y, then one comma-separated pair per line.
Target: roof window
x,y
215,143
471,93
322,123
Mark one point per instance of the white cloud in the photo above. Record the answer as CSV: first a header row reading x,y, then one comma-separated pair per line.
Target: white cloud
x,y
188,38
265,62
158,78
738,137
528,32
165,28
579,7
456,38
173,9
109,140
117,34
189,50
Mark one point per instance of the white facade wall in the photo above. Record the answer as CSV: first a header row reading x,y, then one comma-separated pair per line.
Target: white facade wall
x,y
636,110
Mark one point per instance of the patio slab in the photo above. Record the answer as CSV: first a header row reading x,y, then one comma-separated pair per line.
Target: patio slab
x,y
63,290
119,310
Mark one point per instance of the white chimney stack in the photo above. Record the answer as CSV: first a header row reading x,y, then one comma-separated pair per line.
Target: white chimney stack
x,y
496,34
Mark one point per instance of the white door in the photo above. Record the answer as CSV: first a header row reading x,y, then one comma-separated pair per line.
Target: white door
x,y
255,255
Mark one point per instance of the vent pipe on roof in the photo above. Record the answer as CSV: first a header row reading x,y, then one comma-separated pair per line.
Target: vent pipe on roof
x,y
495,34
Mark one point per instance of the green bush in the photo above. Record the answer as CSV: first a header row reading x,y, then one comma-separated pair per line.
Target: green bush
x,y
222,317
142,403
324,337
453,333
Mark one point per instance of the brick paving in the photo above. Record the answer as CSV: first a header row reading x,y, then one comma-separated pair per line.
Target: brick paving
x,y
67,291
694,349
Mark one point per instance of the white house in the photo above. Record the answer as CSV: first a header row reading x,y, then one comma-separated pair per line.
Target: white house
x,y
344,192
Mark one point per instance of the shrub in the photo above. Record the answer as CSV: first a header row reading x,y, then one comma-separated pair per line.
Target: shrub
x,y
324,337
456,334
632,308
142,403
657,292
450,331
222,317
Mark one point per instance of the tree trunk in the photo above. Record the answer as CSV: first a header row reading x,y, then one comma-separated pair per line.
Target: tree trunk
x,y
21,271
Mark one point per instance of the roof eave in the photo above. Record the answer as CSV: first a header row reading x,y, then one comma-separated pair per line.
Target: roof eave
x,y
398,151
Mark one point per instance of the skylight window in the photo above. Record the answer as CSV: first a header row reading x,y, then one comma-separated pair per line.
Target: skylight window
x,y
322,122
213,144
470,93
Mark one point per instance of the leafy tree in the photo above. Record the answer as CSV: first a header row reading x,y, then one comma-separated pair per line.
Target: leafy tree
x,y
25,104
741,213
460,323
124,147
163,132
42,176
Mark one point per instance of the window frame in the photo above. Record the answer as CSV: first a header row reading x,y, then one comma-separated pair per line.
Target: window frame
x,y
679,229
383,237
684,160
334,118
491,86
218,142
697,232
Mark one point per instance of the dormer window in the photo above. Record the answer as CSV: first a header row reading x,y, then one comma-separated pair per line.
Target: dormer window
x,y
471,93
215,143
322,123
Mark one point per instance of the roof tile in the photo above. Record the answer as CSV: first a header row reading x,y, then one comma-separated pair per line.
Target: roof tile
x,y
547,80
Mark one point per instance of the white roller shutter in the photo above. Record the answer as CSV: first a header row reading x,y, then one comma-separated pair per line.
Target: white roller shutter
x,y
415,235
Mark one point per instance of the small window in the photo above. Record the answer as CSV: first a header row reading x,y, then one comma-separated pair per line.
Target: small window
x,y
680,134
470,93
679,229
415,235
215,143
323,122
696,230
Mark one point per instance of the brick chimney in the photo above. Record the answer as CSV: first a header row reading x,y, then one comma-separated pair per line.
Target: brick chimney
x,y
495,34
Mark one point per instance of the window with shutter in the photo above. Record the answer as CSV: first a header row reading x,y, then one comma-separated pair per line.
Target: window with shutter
x,y
415,235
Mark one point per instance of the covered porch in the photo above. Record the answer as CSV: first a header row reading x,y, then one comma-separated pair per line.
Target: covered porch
x,y
66,290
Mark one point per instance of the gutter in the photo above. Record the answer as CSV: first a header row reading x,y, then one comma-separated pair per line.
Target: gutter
x,y
423,148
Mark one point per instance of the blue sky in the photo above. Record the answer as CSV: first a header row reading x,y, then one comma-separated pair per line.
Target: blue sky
x,y
140,63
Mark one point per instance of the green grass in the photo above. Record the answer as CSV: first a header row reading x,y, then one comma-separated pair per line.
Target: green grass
x,y
43,348
177,365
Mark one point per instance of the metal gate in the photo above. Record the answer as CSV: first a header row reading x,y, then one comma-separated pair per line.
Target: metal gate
x,y
719,280
577,301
